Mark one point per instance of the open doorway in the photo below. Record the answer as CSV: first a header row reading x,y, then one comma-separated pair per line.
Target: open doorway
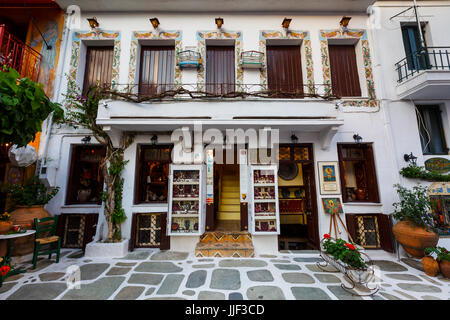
x,y
297,198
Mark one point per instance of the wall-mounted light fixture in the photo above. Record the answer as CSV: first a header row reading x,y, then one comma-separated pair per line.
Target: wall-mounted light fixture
x,y
219,22
154,22
410,158
93,23
154,139
294,138
286,22
86,139
357,138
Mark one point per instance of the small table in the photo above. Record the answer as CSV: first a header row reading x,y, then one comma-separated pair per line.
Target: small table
x,y
10,238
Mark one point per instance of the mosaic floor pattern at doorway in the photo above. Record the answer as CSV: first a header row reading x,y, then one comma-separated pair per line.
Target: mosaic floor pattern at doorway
x,y
153,274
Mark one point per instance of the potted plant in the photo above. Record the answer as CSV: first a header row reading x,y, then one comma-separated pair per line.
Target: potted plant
x,y
5,223
415,229
443,257
4,269
29,200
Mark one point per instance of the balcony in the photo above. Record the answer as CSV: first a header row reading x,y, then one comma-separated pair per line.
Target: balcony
x,y
19,56
424,74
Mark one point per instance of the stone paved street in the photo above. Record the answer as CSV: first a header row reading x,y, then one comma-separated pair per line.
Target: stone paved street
x,y
152,274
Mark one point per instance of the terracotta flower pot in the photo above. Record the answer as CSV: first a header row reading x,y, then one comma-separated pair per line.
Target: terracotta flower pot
x,y
24,216
5,226
414,239
360,193
444,265
430,266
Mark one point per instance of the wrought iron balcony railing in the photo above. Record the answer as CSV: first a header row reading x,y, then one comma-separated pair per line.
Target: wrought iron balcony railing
x,y
19,56
214,91
431,58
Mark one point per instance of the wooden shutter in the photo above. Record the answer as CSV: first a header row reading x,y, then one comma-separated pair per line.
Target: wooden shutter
x,y
98,67
165,239
157,70
220,67
90,228
61,225
385,230
344,71
350,221
284,70
371,174
132,242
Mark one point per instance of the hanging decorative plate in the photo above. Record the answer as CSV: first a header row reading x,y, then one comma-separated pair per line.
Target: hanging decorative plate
x,y
438,165
288,171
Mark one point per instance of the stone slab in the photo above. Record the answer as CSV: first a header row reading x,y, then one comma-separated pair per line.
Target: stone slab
x,y
265,293
169,255
196,279
170,284
100,289
38,291
129,293
309,293
287,266
210,295
158,267
114,271
417,287
327,278
389,266
242,263
51,276
142,278
225,279
260,275
297,277
91,271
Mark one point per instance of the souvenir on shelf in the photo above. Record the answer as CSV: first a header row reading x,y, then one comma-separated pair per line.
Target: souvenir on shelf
x,y
264,207
185,205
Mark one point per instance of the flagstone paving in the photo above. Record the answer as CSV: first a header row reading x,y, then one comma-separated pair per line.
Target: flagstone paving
x,y
150,274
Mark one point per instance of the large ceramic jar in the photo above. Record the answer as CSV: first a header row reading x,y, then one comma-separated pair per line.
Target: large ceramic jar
x,y
5,226
24,216
430,266
444,266
414,239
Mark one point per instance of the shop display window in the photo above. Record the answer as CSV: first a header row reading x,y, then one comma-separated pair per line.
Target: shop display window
x,y
358,177
85,177
152,174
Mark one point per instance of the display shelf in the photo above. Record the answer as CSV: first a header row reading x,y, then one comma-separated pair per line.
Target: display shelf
x,y
264,200
186,208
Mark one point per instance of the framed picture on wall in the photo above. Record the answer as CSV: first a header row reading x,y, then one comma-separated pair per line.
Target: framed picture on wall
x,y
329,177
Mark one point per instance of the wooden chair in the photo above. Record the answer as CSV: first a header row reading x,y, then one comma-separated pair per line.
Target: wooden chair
x,y
45,235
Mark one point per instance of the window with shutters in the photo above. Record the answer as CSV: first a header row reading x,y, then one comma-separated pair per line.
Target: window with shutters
x,y
220,66
431,130
98,70
344,71
157,69
412,43
284,71
358,176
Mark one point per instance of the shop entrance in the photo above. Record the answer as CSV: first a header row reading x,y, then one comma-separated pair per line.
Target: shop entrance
x,y
227,193
297,198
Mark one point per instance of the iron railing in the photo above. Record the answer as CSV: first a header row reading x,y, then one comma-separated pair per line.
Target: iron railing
x,y
214,91
430,58
19,56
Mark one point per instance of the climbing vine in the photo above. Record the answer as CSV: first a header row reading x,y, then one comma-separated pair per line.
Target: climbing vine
x,y
418,172
81,111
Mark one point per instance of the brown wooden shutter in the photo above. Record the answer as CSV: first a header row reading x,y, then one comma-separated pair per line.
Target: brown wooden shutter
x,y
371,175
220,65
385,230
157,70
60,226
90,228
344,71
350,221
132,242
165,239
284,70
99,62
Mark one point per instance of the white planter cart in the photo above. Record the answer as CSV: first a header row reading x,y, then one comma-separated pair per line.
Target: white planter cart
x,y
186,201
264,218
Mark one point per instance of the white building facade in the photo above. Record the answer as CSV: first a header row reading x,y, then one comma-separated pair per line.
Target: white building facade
x,y
327,95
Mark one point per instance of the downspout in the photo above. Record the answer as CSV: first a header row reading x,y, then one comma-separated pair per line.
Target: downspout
x,y
56,95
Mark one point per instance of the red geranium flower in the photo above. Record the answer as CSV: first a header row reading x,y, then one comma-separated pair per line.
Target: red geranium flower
x,y
4,270
350,246
326,236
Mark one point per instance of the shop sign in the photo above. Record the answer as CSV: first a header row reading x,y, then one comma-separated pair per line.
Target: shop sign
x,y
209,176
438,165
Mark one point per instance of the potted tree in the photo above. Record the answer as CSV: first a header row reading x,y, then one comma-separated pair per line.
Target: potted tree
x,y
415,229
442,257
29,200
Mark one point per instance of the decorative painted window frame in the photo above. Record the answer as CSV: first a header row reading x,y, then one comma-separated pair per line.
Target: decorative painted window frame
x,y
360,34
202,36
79,36
265,35
153,35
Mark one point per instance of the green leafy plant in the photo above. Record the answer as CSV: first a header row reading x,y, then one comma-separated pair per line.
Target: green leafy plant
x,y
5,216
414,206
441,253
81,111
23,108
418,172
344,251
33,192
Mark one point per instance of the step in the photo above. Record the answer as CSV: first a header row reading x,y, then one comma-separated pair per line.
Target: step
x,y
230,194
228,215
230,188
236,244
230,207
225,236
234,200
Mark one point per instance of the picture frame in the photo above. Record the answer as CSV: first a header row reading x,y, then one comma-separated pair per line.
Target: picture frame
x,y
329,177
332,206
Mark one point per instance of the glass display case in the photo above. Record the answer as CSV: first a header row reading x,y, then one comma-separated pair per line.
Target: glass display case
x,y
264,200
186,200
